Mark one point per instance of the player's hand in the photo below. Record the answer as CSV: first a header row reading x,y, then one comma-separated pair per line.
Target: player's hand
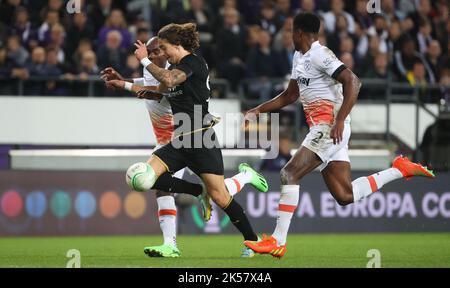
x,y
149,94
337,131
141,50
251,115
110,74
117,84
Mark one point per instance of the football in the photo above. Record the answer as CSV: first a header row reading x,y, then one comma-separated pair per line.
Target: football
x,y
139,177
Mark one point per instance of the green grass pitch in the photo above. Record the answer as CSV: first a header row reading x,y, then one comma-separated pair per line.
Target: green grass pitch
x,y
315,250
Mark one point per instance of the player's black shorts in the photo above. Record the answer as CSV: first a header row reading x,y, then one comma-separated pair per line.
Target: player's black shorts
x,y
200,160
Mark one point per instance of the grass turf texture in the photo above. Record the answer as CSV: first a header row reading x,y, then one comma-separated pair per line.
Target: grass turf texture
x,y
324,250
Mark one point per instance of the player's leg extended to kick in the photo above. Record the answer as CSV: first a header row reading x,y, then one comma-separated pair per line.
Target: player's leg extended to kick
x,y
337,176
303,162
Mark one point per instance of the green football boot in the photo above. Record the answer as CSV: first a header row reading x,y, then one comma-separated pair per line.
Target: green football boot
x,y
162,251
258,181
205,201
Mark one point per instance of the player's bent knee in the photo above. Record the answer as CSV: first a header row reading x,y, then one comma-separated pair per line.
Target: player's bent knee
x,y
218,198
344,199
141,177
288,176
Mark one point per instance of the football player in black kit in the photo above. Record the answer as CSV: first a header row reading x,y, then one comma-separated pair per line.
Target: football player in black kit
x,y
186,85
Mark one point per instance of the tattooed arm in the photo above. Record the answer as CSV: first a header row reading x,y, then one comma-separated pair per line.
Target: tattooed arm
x,y
170,78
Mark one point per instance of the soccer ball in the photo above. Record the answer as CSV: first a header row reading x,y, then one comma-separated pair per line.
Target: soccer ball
x,y
140,177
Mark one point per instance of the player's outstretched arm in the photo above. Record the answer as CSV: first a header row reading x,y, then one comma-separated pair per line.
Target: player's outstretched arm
x,y
288,96
170,78
351,85
151,92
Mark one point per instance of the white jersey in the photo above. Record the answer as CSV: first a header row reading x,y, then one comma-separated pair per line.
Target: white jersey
x,y
160,111
320,94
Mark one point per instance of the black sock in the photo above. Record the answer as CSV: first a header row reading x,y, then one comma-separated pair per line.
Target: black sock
x,y
240,220
167,183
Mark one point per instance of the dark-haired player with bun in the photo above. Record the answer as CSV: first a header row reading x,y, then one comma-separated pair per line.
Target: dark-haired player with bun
x,y
327,90
186,86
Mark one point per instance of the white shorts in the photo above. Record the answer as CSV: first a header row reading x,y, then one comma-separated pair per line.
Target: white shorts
x,y
318,141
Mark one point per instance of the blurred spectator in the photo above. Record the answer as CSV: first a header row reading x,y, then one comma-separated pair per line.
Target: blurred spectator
x,y
23,28
111,54
405,59
54,67
442,23
253,35
133,68
16,52
307,6
288,26
284,155
56,41
59,7
169,11
395,33
116,22
347,59
7,9
389,12
83,46
268,20
38,66
422,12
361,15
51,18
335,38
89,65
424,38
6,64
444,83
143,35
80,29
379,29
417,78
205,26
264,63
379,69
286,51
337,8
98,13
231,48
284,11
346,46
434,58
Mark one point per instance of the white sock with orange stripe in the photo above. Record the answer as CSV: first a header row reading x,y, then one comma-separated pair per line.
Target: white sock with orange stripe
x,y
237,182
286,207
167,214
365,186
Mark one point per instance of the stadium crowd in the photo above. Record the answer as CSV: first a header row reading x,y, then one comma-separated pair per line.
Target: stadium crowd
x,y
407,42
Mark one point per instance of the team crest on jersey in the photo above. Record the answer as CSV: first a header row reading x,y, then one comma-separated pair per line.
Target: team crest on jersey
x,y
307,65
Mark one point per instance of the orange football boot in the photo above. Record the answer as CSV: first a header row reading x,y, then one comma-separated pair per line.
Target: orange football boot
x,y
410,169
268,245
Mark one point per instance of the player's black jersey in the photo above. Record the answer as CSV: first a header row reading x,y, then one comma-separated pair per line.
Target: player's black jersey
x,y
194,91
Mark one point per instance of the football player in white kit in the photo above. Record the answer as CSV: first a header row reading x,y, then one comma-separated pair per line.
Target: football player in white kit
x,y
327,89
161,117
